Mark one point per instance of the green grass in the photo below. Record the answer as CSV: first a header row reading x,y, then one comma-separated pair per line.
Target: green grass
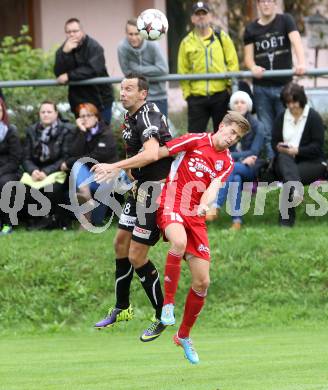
x,y
261,275
264,326
257,359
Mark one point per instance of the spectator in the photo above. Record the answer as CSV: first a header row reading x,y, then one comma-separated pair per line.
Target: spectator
x,y
137,55
80,57
297,139
245,155
10,158
93,138
206,50
44,152
268,42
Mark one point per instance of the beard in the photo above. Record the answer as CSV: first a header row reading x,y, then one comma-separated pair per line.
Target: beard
x,y
202,25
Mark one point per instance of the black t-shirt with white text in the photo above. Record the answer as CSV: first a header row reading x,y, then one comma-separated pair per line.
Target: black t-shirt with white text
x,y
272,47
146,123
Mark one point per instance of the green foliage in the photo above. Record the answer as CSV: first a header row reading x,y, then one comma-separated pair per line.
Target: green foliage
x,y
19,61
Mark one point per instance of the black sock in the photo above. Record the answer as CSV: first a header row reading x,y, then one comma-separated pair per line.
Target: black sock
x,y
123,276
149,278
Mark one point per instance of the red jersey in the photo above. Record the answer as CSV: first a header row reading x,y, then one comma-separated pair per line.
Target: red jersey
x,y
193,171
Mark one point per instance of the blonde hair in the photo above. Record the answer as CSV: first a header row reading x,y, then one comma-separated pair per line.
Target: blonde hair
x,y
239,119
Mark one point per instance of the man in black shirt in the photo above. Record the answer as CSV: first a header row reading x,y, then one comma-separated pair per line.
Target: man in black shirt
x,y
80,57
268,42
144,131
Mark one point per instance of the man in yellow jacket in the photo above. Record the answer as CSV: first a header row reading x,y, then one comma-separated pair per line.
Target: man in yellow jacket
x,y
205,50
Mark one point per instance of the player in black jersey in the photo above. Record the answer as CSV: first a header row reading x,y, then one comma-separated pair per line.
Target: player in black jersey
x,y
145,130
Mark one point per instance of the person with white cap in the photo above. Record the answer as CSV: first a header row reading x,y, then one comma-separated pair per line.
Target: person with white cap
x,y
206,50
245,155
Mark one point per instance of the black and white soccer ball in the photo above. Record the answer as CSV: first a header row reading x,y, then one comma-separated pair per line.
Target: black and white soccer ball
x,y
152,24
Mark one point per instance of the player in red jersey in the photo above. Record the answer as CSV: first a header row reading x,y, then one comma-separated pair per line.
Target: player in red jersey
x,y
196,175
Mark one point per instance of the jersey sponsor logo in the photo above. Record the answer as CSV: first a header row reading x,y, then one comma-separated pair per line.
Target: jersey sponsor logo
x,y
204,249
198,166
198,152
219,165
126,133
127,220
101,144
140,232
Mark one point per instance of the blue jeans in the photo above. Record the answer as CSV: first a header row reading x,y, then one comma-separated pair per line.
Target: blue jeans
x,y
268,105
83,176
106,114
240,174
162,105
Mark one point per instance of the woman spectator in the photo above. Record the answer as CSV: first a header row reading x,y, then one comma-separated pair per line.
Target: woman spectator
x,y
297,139
10,159
93,139
245,155
44,153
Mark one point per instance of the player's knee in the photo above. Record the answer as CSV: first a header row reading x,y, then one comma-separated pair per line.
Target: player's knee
x,y
136,258
178,246
201,285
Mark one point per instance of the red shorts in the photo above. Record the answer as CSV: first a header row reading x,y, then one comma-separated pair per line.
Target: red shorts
x,y
197,239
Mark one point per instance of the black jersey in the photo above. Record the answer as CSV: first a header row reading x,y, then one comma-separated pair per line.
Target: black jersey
x,y
140,127
272,48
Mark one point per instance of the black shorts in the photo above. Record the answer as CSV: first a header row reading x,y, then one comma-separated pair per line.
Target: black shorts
x,y
139,213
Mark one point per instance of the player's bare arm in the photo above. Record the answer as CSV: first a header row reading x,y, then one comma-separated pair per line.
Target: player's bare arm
x,y
209,197
163,152
150,154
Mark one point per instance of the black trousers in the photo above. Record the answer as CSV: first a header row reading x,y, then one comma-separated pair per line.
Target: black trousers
x,y
4,179
305,172
202,108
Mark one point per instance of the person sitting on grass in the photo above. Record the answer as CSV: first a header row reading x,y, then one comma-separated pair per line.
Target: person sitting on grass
x,y
10,159
245,155
297,140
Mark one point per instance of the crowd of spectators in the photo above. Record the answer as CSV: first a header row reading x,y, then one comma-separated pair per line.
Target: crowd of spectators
x,y
285,132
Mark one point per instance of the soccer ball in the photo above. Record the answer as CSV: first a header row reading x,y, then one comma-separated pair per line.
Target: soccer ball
x,y
152,24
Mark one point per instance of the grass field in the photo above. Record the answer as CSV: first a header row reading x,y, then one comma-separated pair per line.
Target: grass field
x,y
252,359
264,326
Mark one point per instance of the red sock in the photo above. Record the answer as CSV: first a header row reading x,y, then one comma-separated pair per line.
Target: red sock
x,y
194,304
171,276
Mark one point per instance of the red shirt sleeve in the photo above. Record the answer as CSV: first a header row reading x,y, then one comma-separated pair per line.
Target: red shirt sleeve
x,y
185,142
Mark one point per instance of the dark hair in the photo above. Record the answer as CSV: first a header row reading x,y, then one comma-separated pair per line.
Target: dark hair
x,y
89,107
293,92
142,81
51,102
5,117
73,20
131,22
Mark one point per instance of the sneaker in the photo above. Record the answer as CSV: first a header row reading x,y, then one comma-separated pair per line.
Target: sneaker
x,y
115,315
167,316
153,331
236,226
189,350
6,229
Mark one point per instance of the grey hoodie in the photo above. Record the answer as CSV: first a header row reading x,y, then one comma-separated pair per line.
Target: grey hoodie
x,y
146,60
